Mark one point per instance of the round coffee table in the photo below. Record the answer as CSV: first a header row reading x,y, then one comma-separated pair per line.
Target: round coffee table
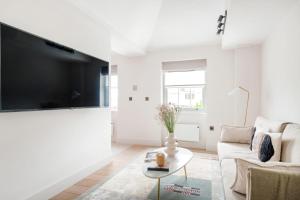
x,y
178,161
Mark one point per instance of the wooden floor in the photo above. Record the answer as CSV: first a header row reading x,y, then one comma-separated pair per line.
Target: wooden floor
x,y
116,164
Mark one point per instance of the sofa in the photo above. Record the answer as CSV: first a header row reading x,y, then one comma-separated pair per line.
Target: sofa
x,y
229,151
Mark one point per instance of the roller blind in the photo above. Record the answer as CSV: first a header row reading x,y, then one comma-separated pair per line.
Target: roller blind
x,y
185,65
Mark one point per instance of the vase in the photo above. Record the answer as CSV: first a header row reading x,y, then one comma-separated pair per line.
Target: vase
x,y
171,145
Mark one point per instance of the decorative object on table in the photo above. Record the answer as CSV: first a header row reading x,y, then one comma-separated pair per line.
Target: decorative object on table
x,y
171,145
167,115
162,169
150,156
160,159
240,88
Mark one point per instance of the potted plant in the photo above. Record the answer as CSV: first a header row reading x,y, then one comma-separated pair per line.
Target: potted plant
x,y
168,115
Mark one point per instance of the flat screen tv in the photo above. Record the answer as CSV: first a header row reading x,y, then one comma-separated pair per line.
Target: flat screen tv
x,y
39,74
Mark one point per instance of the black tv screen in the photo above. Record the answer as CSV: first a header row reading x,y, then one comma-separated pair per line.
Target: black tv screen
x,y
39,74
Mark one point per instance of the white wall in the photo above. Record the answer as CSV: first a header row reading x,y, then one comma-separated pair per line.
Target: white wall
x,y
247,74
43,148
137,121
281,70
114,132
44,151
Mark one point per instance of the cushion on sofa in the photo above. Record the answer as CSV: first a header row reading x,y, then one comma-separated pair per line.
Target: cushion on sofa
x,y
242,166
235,150
290,147
263,151
266,125
236,134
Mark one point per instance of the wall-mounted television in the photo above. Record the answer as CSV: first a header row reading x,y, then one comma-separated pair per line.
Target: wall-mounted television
x,y
38,74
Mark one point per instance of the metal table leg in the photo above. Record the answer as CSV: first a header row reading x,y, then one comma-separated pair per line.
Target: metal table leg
x,y
158,189
185,172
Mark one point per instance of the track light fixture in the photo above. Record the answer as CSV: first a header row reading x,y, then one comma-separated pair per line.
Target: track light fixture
x,y
220,19
221,23
219,31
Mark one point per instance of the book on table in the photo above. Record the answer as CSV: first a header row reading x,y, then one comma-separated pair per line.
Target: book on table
x,y
150,156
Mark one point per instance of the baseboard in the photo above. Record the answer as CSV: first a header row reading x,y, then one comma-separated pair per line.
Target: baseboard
x,y
212,148
195,145
60,186
155,143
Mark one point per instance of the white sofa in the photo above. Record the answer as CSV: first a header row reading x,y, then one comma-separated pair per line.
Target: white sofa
x,y
227,151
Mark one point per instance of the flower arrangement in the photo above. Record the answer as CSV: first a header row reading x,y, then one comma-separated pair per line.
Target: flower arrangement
x,y
167,115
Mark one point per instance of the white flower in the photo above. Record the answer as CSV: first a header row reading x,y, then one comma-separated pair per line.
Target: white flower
x,y
167,115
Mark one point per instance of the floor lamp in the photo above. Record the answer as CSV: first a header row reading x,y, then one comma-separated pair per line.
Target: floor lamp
x,y
240,88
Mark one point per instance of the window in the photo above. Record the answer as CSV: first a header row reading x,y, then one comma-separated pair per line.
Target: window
x,y
185,89
114,88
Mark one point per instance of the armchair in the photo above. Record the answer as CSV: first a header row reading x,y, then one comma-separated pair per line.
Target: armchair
x,y
270,184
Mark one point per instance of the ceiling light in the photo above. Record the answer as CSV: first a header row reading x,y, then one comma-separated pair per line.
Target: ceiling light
x,y
221,23
220,18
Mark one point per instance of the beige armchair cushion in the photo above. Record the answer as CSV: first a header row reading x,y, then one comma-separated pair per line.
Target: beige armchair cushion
x,y
236,134
243,165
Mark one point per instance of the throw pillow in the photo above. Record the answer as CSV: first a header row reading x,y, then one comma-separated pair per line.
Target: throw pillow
x,y
242,166
266,150
267,146
252,137
236,134
258,128
266,125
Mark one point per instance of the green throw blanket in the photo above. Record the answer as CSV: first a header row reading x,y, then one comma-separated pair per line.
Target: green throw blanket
x,y
267,184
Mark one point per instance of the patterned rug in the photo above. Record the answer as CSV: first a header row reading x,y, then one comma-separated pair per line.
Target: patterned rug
x,y
131,184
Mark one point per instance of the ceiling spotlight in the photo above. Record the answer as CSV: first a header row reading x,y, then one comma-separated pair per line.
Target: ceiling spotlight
x,y
220,25
221,17
219,31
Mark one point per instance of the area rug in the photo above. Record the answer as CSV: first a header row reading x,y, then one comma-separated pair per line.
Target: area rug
x,y
131,184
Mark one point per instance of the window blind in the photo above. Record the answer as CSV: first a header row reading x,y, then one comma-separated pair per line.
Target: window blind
x,y
185,65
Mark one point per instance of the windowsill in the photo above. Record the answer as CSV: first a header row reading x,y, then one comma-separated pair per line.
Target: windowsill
x,y
187,111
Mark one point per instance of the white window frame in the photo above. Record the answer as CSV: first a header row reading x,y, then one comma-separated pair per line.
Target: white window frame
x,y
185,86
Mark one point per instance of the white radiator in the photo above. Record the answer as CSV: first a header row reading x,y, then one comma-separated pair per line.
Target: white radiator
x,y
187,132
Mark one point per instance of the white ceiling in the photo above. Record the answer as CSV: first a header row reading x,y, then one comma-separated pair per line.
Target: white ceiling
x,y
186,23
139,26
251,21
